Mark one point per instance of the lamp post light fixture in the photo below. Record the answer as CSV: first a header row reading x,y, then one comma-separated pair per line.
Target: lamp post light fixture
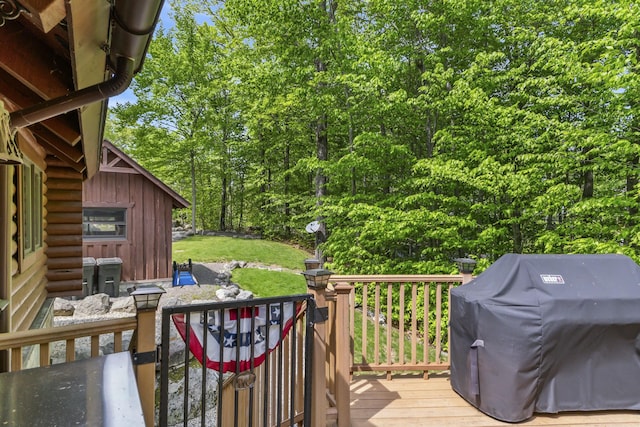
x,y
466,267
312,263
317,278
147,298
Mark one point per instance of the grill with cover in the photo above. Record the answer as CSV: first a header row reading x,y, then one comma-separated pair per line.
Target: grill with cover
x,y
548,333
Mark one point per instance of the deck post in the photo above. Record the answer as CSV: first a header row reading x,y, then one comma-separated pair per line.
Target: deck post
x,y
466,278
466,267
343,354
147,299
319,381
145,370
144,358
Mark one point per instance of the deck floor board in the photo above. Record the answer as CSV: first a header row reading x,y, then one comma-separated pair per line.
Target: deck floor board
x,y
408,401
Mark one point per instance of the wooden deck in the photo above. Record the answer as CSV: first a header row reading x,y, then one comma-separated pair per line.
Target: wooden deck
x,y
409,401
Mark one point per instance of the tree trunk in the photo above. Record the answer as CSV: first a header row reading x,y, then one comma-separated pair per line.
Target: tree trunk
x,y
587,189
517,233
192,165
241,206
386,189
322,141
351,141
632,183
222,226
322,152
287,210
632,175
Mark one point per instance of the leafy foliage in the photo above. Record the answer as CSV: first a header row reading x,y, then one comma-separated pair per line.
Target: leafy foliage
x,y
416,131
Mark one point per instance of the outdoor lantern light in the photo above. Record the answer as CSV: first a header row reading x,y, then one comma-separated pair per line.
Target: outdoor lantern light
x,y
312,263
147,298
317,278
466,265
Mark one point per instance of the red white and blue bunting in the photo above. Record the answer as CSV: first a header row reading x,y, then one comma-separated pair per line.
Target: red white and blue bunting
x,y
238,328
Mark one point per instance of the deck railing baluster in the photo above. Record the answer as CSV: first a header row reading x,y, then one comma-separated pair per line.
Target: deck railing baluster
x,y
414,322
389,327
425,328
438,339
376,325
411,322
401,326
365,323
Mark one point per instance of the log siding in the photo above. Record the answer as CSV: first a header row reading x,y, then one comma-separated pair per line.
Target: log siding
x,y
63,231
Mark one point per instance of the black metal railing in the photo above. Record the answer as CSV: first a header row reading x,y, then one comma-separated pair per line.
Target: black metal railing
x,y
253,358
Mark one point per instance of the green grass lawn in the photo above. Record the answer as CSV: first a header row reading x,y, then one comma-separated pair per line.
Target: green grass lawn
x,y
225,249
267,283
262,282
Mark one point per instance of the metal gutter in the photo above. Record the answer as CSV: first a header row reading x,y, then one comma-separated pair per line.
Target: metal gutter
x,y
134,22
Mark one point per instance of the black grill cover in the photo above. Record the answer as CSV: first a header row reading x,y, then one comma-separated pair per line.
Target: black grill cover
x,y
548,333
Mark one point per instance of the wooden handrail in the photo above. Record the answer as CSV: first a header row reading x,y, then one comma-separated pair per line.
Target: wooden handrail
x,y
16,341
396,278
143,341
63,333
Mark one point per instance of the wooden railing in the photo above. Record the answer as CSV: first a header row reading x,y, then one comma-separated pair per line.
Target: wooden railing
x,y
384,323
17,341
403,316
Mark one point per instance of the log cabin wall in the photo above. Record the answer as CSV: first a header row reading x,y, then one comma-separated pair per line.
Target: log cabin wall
x,y
63,229
28,288
145,251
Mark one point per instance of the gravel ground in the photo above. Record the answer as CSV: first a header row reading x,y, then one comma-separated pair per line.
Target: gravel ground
x,y
210,273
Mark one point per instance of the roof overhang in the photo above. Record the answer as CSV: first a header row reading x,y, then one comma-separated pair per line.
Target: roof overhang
x,y
89,30
59,64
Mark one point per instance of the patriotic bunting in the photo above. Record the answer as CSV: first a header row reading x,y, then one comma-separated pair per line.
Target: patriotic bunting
x,y
234,329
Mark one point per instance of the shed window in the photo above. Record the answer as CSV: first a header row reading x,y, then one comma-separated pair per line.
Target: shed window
x,y
107,223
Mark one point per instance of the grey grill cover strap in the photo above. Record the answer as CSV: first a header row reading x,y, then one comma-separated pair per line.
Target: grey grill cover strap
x,y
475,384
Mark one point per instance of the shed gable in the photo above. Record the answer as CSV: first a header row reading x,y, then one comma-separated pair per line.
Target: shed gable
x,y
112,161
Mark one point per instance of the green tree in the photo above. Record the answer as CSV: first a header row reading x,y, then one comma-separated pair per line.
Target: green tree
x,y
182,115
416,131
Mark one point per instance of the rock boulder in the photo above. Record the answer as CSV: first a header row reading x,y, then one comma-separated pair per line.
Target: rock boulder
x,y
93,305
62,307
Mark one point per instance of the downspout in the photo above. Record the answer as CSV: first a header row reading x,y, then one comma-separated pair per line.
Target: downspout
x,y
134,22
74,100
